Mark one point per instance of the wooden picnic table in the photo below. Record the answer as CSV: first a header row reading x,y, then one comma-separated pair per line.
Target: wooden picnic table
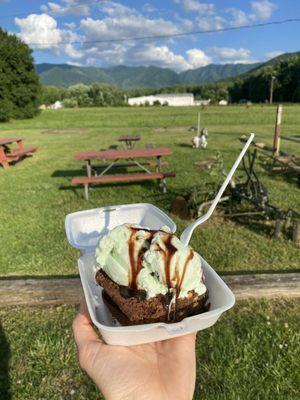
x,y
129,140
114,156
8,154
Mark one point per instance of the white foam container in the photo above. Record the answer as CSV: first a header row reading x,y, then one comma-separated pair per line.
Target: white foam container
x,y
84,229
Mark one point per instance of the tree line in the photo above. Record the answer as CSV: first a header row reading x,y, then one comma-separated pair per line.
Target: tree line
x,y
81,95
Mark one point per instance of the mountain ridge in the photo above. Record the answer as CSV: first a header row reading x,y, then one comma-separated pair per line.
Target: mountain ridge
x,y
126,77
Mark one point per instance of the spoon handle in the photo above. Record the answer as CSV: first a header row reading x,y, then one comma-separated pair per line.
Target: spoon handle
x,y
187,233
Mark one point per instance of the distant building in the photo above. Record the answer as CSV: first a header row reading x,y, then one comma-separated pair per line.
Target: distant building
x,y
172,99
223,103
57,105
202,102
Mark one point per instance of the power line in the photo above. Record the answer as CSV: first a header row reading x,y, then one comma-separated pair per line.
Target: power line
x,y
84,3
171,35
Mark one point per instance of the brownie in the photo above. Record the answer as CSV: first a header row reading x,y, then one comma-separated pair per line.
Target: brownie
x,y
140,310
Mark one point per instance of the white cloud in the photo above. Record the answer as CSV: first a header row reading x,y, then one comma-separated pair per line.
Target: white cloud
x,y
41,32
148,8
70,25
262,10
145,54
124,22
74,7
238,17
231,55
198,7
273,54
197,58
149,54
207,24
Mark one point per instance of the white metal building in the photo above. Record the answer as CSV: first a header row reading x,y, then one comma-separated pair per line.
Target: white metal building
x,y
201,102
172,99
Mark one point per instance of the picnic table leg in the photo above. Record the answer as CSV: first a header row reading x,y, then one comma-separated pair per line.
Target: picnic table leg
x,y
20,144
86,191
3,159
158,163
88,168
164,185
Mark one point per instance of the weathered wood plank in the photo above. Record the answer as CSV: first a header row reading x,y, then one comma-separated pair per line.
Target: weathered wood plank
x,y
41,292
264,285
32,292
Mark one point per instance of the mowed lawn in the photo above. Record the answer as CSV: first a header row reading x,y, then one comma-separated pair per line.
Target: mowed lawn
x,y
36,194
251,353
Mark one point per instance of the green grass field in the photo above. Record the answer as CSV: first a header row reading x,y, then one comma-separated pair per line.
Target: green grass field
x,y
33,206
251,353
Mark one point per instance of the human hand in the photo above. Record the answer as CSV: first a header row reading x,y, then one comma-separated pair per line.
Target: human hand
x,y
155,371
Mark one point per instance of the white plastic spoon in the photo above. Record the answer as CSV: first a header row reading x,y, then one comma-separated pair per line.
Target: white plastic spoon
x,y
187,233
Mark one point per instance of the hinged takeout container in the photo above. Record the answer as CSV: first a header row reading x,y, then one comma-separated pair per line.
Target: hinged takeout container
x,y
84,228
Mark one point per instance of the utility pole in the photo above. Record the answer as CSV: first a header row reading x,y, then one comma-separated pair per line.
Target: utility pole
x,y
272,88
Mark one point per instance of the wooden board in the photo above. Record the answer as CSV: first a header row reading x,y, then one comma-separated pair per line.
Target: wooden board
x,y
81,180
9,140
42,292
21,152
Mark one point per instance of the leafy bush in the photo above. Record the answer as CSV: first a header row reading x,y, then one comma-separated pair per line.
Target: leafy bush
x,y
156,103
80,93
5,109
70,103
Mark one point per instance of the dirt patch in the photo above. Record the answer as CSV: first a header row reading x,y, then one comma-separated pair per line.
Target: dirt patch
x,y
70,131
174,129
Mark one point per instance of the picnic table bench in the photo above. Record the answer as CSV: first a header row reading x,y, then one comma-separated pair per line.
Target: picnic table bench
x,y
9,154
131,157
129,140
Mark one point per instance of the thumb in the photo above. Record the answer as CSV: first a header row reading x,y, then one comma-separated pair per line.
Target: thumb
x,y
83,329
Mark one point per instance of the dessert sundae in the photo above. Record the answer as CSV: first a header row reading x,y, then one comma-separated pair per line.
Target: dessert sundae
x,y
150,275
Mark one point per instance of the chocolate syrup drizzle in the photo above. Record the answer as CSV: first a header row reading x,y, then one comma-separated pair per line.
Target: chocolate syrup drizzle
x,y
136,261
168,253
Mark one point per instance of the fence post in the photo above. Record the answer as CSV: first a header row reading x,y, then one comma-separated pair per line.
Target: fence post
x,y
276,143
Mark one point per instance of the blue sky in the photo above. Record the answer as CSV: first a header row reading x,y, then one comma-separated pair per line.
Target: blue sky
x,y
51,28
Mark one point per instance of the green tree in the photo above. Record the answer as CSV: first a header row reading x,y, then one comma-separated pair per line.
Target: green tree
x,y
51,94
80,93
19,82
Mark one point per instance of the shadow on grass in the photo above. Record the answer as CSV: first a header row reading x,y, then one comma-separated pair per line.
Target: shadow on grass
x,y
152,186
288,175
15,162
69,173
5,393
185,145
